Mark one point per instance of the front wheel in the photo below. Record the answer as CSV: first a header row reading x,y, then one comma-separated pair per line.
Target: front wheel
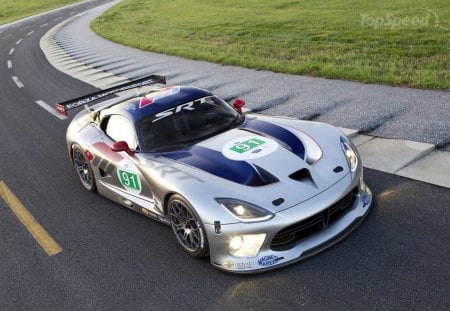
x,y
187,227
83,169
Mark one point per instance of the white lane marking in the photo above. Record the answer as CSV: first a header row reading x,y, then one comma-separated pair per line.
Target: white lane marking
x,y
7,36
9,64
42,26
30,32
18,41
58,18
26,27
50,109
11,51
17,81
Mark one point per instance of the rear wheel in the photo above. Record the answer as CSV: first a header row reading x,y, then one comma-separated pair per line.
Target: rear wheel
x,y
187,227
83,169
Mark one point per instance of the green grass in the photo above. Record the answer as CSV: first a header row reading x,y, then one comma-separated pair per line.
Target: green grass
x,y
11,10
327,38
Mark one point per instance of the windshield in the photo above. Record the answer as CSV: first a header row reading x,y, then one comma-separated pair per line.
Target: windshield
x,y
186,124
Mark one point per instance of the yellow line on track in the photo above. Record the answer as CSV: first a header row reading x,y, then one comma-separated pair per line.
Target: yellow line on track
x,y
34,228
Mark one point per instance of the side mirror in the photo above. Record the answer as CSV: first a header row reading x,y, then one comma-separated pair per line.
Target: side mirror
x,y
120,146
238,104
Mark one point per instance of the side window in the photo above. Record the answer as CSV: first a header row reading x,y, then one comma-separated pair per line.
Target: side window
x,y
119,129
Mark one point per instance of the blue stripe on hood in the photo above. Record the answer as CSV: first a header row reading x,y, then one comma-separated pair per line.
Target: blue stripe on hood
x,y
215,163
282,135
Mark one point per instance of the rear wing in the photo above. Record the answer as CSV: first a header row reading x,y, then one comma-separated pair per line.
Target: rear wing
x,y
64,107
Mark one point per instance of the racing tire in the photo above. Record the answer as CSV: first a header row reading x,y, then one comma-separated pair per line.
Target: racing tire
x,y
187,227
83,169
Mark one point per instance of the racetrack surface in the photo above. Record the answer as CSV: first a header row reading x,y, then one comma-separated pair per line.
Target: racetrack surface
x,y
113,258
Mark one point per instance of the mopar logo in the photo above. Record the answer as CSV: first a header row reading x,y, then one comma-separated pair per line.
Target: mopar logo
x,y
269,260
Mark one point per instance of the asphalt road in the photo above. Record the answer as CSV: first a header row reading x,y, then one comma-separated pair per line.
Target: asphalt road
x,y
113,258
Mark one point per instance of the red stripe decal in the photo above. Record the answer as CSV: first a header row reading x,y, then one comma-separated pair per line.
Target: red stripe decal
x,y
145,102
105,150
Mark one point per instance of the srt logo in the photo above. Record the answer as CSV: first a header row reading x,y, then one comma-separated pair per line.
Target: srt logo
x,y
177,109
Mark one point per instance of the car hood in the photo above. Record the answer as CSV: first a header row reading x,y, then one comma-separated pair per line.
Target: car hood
x,y
266,161
258,153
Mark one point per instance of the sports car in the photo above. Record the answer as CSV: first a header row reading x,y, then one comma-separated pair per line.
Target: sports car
x,y
253,192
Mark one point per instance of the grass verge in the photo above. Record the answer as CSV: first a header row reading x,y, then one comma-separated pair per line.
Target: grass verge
x,y
397,42
11,10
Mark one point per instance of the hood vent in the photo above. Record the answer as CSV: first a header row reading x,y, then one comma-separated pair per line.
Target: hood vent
x,y
301,175
265,178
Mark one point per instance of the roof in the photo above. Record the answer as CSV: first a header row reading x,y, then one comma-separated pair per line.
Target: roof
x,y
157,101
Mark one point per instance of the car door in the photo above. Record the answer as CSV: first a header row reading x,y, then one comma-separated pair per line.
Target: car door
x,y
117,170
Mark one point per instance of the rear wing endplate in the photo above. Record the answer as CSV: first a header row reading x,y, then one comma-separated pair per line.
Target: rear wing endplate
x,y
64,107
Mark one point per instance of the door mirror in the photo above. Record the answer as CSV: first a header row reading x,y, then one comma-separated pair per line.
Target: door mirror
x,y
238,104
120,146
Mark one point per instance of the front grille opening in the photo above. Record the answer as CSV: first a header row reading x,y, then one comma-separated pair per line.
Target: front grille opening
x,y
289,236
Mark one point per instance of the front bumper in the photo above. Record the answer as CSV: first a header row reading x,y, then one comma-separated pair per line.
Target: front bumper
x,y
271,257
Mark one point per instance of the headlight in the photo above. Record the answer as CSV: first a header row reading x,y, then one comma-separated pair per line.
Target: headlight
x,y
247,245
350,154
244,211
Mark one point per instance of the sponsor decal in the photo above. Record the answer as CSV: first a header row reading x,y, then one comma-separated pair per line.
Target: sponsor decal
x,y
145,101
202,235
168,169
186,106
129,180
269,260
129,177
68,105
366,199
249,147
237,265
155,216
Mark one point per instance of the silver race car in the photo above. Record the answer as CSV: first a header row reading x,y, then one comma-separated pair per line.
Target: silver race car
x,y
252,192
